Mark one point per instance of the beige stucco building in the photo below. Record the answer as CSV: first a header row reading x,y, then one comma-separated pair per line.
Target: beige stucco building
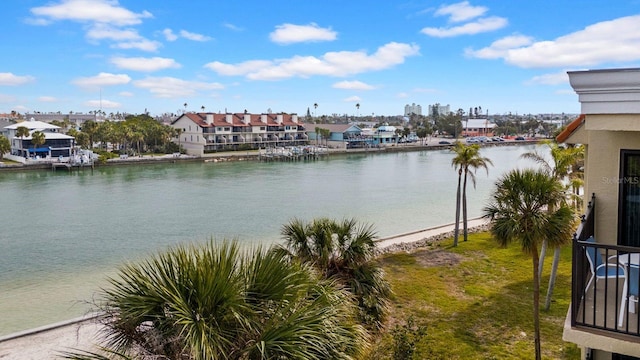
x,y
604,319
208,132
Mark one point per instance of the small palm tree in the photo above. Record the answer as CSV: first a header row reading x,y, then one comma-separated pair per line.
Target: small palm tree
x,y
527,207
217,302
343,252
467,158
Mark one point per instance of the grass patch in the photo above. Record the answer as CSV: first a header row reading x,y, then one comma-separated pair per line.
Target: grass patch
x,y
475,301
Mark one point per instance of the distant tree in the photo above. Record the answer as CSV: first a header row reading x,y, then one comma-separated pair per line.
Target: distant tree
x,y
527,207
5,146
82,140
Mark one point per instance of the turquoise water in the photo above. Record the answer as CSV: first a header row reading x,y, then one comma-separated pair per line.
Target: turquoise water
x,y
62,233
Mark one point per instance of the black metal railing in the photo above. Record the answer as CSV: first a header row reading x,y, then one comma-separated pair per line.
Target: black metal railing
x,y
601,305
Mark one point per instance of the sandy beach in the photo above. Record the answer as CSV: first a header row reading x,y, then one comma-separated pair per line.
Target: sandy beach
x,y
47,342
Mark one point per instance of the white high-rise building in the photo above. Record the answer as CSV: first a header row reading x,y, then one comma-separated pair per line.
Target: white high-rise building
x,y
442,109
412,109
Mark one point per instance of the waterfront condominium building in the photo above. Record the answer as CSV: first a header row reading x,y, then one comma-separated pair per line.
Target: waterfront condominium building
x,y
603,318
210,132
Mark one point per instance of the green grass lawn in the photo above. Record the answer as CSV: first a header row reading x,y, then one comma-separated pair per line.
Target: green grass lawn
x,y
475,301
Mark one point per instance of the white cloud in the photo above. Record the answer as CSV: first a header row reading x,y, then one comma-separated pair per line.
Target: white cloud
x,y
169,87
169,35
352,99
9,79
106,32
95,11
232,27
126,93
402,95
471,28
353,85
461,11
193,36
608,41
48,99
144,45
615,40
145,64
501,47
342,63
102,79
550,79
290,33
102,103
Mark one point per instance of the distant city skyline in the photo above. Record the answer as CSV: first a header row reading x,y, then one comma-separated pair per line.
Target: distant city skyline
x,y
130,56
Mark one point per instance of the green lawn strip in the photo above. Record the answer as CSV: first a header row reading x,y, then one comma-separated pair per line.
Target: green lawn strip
x,y
476,301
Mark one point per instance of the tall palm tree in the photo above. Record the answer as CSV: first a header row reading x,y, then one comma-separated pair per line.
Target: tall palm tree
x,y
344,252
527,207
467,160
37,138
21,132
563,166
219,302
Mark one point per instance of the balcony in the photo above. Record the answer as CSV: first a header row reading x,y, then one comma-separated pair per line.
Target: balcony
x,y
606,307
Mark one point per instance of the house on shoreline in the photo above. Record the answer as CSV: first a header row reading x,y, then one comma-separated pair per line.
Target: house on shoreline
x,y
202,133
604,318
56,144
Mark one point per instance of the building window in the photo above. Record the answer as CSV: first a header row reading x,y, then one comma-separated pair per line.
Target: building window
x,y
629,199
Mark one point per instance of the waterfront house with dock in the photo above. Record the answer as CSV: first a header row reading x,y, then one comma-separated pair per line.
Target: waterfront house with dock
x,y
209,132
56,144
603,318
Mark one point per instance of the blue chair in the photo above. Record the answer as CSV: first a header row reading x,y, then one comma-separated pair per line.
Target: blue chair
x,y
600,269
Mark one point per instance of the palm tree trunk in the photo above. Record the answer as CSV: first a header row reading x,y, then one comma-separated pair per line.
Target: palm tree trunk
x,y
552,278
543,253
465,231
536,304
456,230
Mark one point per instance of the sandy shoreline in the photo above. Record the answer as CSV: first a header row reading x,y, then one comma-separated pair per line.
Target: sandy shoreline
x,y
47,342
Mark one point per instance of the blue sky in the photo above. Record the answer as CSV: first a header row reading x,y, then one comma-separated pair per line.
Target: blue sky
x,y
131,56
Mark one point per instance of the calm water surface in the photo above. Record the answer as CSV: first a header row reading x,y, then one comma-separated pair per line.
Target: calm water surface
x,y
63,233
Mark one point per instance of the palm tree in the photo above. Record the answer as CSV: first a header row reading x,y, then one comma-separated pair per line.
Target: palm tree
x,y
358,108
467,158
343,252
315,106
217,302
562,167
21,132
527,207
37,138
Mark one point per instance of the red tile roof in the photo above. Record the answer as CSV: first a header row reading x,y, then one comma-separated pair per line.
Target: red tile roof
x,y
573,126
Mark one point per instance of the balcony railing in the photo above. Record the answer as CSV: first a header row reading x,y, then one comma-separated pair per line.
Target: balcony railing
x,y
607,304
